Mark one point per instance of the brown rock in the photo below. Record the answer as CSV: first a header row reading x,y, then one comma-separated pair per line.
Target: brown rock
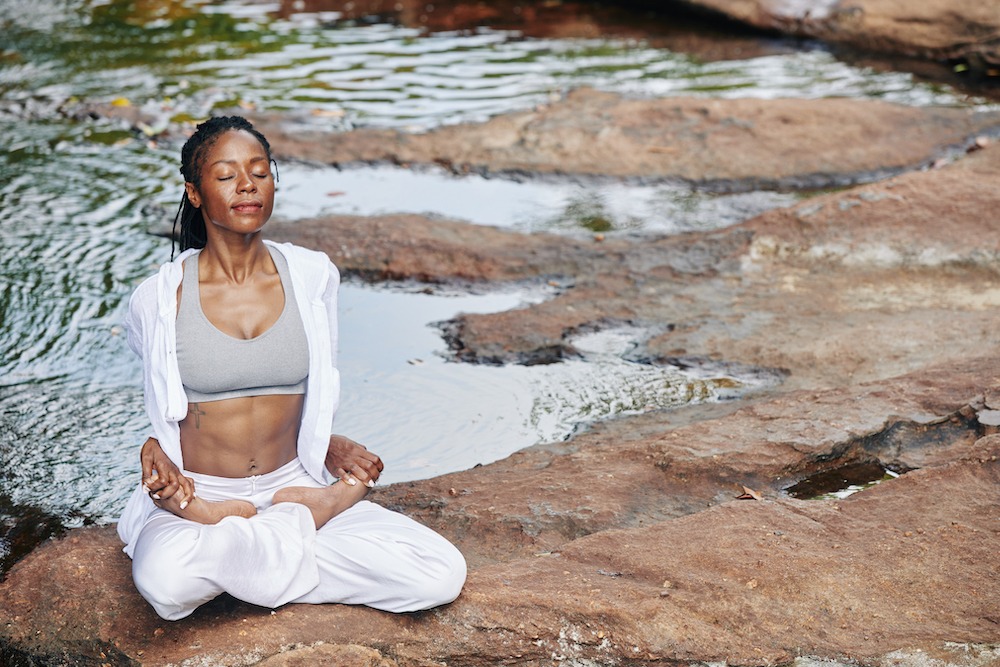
x,y
341,655
733,144
398,247
755,583
843,288
935,29
565,19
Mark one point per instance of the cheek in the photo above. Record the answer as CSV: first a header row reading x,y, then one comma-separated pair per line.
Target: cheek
x,y
211,199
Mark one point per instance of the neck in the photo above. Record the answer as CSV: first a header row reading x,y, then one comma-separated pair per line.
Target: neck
x,y
234,260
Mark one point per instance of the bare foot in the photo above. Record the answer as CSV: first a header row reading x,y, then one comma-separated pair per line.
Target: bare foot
x,y
324,503
208,512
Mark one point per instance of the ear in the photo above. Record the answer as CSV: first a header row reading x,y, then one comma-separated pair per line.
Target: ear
x,y
192,193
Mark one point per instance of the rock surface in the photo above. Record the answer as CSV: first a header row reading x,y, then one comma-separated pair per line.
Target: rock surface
x,y
845,287
673,537
575,564
962,30
564,19
733,144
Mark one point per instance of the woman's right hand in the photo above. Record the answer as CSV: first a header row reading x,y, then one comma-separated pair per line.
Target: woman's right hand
x,y
161,478
350,461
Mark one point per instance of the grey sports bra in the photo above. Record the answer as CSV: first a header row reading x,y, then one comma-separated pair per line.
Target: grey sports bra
x,y
216,366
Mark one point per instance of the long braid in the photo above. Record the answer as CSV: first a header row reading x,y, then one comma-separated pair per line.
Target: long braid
x,y
193,234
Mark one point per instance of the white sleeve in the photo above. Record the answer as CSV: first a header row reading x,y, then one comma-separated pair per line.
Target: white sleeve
x,y
141,306
330,300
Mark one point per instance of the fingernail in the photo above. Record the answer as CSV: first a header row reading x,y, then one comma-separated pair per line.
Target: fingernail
x,y
352,481
156,496
145,489
370,483
184,504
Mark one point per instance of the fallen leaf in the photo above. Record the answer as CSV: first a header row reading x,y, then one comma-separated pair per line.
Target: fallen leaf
x,y
749,494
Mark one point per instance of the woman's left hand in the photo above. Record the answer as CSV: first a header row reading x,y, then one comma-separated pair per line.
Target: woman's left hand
x,y
347,459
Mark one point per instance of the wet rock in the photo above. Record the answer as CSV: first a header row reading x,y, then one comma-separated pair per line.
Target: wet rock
x,y
959,30
736,144
901,278
754,583
414,247
565,19
22,528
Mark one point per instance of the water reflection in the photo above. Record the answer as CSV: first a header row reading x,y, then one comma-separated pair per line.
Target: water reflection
x,y
459,415
533,205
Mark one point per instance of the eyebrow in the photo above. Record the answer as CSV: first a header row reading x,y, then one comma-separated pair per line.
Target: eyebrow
x,y
252,160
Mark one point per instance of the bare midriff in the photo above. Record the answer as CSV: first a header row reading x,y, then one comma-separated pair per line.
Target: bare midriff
x,y
240,437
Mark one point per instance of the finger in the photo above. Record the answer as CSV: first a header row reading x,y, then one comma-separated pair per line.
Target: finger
x,y
155,483
373,467
370,457
348,476
185,492
187,489
146,461
167,491
363,474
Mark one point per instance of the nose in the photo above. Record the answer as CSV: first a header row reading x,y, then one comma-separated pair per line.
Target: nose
x,y
246,184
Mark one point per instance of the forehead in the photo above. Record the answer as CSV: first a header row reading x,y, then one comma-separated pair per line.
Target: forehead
x,y
234,146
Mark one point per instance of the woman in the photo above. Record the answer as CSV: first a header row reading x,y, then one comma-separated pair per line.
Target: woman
x,y
240,493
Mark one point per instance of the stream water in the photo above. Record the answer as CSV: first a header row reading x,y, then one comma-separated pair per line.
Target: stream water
x,y
78,196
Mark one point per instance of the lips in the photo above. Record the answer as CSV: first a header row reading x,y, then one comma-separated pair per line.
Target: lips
x,y
249,206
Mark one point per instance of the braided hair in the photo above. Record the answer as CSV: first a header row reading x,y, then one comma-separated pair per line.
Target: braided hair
x,y
192,222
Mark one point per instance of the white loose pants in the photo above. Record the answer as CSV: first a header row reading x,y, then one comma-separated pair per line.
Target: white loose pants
x,y
366,555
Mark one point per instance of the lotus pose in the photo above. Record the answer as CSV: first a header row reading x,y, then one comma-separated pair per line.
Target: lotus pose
x,y
244,490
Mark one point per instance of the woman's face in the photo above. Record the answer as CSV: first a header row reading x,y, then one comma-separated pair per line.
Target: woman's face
x,y
236,193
